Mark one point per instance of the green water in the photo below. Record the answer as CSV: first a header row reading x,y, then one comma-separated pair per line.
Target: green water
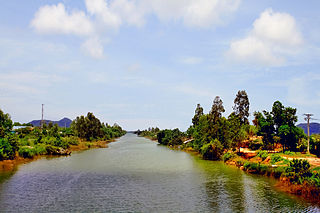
x,y
136,175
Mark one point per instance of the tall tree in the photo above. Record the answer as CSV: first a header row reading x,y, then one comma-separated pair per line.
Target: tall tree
x,y
216,110
241,106
197,115
277,113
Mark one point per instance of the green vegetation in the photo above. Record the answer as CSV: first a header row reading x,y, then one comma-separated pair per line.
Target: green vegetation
x,y
217,137
149,133
30,141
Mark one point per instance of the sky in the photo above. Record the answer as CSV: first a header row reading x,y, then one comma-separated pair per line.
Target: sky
x,y
143,63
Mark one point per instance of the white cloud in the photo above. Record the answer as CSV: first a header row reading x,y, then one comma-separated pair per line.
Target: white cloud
x,y
193,13
191,60
55,19
102,16
274,36
94,47
100,9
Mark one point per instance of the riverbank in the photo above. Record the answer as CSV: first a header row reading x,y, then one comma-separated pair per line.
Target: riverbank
x,y
274,165
279,170
10,165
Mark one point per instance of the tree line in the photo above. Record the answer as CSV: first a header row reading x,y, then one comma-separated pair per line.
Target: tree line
x,y
52,139
212,134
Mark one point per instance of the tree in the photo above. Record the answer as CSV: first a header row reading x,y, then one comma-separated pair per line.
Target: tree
x,y
241,106
5,124
88,127
236,130
198,114
216,110
277,113
265,124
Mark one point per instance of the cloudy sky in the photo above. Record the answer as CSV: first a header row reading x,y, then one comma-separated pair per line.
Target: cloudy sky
x,y
144,63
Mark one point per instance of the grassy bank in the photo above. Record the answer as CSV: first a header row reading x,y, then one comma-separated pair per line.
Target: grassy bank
x,y
10,165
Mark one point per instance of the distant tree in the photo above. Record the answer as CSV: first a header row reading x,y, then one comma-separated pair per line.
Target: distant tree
x,y
54,130
88,127
17,124
241,106
198,114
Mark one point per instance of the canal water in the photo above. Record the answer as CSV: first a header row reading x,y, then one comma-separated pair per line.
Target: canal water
x,y
136,175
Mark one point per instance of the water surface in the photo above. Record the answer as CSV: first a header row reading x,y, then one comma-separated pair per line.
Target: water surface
x,y
136,175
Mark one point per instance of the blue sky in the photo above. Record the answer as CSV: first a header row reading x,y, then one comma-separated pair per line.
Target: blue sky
x,y
144,63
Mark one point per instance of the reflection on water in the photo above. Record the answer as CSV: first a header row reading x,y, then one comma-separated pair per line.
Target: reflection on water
x,y
135,174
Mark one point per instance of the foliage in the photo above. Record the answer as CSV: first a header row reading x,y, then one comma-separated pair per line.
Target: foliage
x,y
279,126
212,150
256,144
198,114
170,137
71,140
298,170
228,156
262,154
5,124
90,128
216,110
276,158
241,106
150,133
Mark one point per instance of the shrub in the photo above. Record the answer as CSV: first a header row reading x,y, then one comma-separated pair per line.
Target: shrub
x,y
262,154
314,180
256,144
228,156
27,152
298,170
251,166
40,149
289,153
52,149
212,150
71,140
276,158
278,171
8,148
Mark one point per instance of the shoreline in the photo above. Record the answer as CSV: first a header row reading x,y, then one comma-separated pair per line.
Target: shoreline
x,y
11,165
307,192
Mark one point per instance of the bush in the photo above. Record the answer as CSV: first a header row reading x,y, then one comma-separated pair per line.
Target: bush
x,y
52,149
6,151
278,171
276,158
212,150
289,153
27,152
298,170
70,140
256,144
228,156
262,154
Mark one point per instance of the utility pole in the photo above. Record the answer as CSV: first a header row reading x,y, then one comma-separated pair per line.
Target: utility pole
x,y
307,118
41,124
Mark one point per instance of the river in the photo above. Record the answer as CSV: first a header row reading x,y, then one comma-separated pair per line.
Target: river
x,y
136,175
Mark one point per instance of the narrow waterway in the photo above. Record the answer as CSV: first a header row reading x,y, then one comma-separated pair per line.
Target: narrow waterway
x,y
136,175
